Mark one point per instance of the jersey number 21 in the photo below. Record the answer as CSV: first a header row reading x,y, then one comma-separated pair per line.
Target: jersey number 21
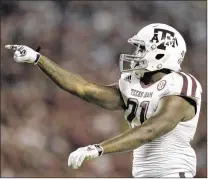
x,y
134,103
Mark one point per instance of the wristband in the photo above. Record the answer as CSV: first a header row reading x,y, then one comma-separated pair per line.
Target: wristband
x,y
38,55
100,149
37,58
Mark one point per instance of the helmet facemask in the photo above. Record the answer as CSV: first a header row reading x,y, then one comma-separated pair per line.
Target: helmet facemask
x,y
134,61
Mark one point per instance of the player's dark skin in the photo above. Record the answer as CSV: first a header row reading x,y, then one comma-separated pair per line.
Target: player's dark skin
x,y
170,111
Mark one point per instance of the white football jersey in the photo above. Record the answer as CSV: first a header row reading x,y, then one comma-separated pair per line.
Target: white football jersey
x,y
172,152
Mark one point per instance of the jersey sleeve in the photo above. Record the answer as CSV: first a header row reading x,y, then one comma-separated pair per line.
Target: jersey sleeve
x,y
183,84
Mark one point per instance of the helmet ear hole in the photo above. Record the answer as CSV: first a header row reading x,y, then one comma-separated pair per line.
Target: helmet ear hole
x,y
159,56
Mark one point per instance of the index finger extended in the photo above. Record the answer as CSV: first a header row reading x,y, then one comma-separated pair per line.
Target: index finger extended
x,y
12,47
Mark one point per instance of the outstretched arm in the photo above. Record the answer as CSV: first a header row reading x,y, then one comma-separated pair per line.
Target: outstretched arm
x,y
107,97
171,110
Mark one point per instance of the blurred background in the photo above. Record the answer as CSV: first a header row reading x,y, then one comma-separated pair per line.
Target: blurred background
x,y
40,123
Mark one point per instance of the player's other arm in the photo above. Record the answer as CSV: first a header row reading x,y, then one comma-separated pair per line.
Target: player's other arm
x,y
107,97
171,110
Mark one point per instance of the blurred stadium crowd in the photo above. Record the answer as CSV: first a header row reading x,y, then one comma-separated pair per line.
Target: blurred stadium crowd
x,y
40,123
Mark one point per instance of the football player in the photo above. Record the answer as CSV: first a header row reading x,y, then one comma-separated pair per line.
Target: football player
x,y
161,104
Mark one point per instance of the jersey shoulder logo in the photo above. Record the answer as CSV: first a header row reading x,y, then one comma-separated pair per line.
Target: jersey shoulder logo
x,y
161,85
128,78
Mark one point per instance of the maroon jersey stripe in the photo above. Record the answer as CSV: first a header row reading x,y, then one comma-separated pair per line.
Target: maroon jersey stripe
x,y
194,85
185,85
